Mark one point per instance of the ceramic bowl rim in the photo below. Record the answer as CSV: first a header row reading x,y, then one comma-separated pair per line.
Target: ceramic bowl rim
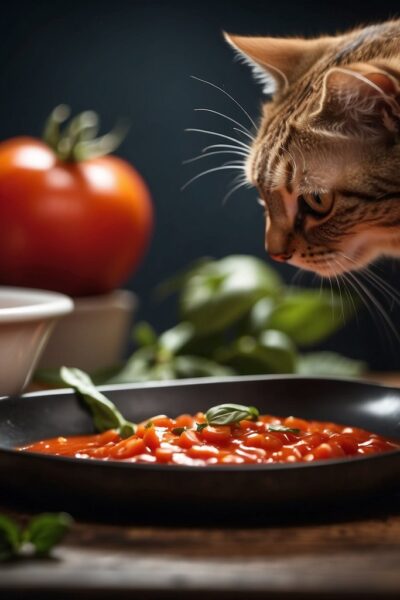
x,y
33,304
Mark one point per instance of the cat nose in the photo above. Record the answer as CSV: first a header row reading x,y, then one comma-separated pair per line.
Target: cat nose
x,y
281,256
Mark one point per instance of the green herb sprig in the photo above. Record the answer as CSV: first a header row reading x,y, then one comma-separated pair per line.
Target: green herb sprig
x,y
227,414
104,413
38,538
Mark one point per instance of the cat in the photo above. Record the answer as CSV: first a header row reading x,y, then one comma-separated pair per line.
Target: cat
x,y
326,157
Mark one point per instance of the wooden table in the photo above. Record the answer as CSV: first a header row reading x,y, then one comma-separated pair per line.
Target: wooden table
x,y
324,557
337,557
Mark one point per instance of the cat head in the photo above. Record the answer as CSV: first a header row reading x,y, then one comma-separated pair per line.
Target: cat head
x,y
326,157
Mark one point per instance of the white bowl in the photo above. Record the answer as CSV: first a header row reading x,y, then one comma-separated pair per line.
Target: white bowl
x,y
94,336
26,320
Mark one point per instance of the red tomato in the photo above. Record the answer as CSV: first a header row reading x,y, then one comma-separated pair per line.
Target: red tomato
x,y
74,227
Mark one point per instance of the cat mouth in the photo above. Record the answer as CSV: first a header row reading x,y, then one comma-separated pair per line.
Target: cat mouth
x,y
337,264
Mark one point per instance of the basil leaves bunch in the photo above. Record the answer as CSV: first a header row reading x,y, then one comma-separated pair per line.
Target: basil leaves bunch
x,y
237,317
38,538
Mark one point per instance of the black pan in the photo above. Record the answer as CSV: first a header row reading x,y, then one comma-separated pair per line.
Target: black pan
x,y
65,483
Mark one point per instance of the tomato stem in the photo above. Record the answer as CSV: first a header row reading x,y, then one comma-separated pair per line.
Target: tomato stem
x,y
77,141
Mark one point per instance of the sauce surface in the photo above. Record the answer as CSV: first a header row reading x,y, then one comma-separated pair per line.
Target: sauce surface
x,y
181,442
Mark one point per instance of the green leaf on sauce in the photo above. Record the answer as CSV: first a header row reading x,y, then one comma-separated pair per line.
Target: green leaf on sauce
x,y
200,426
178,430
225,414
283,429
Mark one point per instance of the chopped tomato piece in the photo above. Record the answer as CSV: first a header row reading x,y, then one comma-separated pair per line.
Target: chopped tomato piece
x,y
202,451
188,438
347,443
221,433
295,423
130,447
247,424
164,455
151,439
184,421
163,421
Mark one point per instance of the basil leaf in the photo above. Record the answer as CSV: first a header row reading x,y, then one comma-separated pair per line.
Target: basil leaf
x,y
137,367
329,364
197,366
310,316
148,424
178,430
10,538
221,292
273,352
47,530
175,339
201,426
283,429
176,282
225,414
144,335
104,412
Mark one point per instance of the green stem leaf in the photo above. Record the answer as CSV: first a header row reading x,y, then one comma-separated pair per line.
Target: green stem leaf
x,y
104,412
77,141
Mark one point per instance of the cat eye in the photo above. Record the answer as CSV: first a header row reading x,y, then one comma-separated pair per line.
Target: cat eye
x,y
318,204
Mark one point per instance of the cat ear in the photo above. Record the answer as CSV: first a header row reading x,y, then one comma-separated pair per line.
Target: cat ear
x,y
277,62
359,96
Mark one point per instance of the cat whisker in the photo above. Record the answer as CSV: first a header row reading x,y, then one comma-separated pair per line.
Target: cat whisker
x,y
299,273
224,167
380,309
243,183
346,277
246,152
378,282
207,154
349,296
241,129
342,279
244,133
340,297
221,135
229,96
332,303
382,286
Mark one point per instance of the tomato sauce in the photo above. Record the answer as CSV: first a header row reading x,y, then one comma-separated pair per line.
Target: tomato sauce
x,y
181,441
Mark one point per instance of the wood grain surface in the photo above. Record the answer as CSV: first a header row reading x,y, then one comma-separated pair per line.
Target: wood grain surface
x,y
329,556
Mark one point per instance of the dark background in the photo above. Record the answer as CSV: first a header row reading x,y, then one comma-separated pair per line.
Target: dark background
x,y
135,59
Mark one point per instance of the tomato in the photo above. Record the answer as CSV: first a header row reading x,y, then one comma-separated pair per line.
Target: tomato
x,y
78,227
